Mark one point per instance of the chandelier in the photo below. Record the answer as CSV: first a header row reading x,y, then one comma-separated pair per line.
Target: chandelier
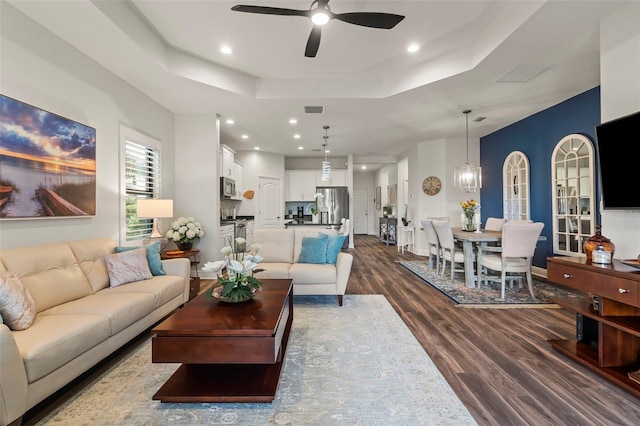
x,y
326,165
467,177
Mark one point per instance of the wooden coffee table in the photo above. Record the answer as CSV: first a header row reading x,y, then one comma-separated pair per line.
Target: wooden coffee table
x,y
229,352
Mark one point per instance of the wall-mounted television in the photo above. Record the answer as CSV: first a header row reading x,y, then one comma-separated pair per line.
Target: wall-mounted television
x,y
618,146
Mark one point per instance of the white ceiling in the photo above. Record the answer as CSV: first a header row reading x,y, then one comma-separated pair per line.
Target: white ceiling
x,y
379,100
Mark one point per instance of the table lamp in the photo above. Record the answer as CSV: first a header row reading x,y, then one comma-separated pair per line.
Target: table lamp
x,y
154,208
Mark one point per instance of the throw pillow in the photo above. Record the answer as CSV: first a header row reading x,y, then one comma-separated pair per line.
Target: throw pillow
x,y
127,267
314,249
17,307
334,245
153,257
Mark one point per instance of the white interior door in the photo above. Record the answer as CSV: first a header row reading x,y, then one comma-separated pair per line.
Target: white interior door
x,y
360,211
270,203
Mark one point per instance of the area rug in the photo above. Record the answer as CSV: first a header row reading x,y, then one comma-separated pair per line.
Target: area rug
x,y
488,296
352,365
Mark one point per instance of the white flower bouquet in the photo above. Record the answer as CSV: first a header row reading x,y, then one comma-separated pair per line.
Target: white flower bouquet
x,y
185,230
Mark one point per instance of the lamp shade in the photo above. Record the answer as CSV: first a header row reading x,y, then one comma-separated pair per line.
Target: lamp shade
x,y
152,208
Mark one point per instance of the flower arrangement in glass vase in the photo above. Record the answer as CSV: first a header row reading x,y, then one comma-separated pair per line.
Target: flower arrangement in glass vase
x,y
184,232
470,211
237,283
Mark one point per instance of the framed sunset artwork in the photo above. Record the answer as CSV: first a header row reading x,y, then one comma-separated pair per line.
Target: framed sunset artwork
x,y
47,164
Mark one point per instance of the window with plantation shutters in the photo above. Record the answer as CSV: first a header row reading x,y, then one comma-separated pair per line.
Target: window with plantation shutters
x,y
141,180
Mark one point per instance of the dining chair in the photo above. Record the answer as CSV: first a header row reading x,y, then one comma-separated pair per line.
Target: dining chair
x,y
494,223
433,245
451,252
512,258
519,221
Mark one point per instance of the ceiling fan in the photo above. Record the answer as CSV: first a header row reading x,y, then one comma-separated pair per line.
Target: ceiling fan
x,y
322,14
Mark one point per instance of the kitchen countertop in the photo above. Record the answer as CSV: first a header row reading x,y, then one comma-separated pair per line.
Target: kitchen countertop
x,y
309,223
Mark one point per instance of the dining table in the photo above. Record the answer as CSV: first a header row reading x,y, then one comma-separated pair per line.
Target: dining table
x,y
469,239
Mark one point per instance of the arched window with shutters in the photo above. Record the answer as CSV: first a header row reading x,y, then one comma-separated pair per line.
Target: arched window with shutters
x,y
515,186
573,194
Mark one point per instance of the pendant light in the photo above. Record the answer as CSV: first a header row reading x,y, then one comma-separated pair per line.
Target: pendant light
x,y
326,165
467,177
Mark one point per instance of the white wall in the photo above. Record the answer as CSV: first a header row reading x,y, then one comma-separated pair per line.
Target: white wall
x,y
258,164
197,186
620,95
40,69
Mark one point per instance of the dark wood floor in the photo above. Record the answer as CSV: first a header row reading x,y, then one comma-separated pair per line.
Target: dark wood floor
x,y
497,361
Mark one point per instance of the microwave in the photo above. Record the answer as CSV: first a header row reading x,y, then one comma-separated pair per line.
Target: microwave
x,y
227,187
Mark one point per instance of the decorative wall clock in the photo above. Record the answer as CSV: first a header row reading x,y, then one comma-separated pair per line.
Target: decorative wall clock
x,y
431,185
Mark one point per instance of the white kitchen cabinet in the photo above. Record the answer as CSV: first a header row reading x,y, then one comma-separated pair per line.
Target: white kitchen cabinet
x,y
300,185
238,172
227,167
336,178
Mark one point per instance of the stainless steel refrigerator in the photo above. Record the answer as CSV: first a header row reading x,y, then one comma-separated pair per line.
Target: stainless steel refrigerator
x,y
335,202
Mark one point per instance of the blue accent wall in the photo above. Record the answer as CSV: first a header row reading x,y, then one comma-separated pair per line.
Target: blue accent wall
x,y
537,137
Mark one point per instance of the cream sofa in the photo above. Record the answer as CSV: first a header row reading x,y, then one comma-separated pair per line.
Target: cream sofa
x,y
281,250
80,319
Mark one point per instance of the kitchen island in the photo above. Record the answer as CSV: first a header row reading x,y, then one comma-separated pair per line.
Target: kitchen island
x,y
299,223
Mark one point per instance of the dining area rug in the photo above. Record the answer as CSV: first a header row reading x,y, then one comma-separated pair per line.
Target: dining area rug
x,y
488,295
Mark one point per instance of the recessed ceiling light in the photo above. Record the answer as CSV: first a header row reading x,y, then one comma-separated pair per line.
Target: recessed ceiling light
x,y
256,148
301,148
413,48
226,50
363,167
230,121
296,136
245,136
293,121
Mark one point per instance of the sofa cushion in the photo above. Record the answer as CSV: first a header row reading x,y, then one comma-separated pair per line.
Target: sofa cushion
x,y
90,256
153,257
308,273
163,288
273,270
16,304
277,244
314,249
301,232
120,309
127,267
54,340
334,245
50,272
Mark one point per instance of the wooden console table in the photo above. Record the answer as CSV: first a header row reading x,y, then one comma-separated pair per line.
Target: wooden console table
x,y
618,318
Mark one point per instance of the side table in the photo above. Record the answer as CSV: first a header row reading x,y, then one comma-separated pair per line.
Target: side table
x,y
193,256
406,236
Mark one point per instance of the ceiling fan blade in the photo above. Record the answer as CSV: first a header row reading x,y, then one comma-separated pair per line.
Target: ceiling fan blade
x,y
265,10
370,19
314,42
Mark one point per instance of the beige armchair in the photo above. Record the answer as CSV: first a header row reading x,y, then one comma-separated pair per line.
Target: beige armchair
x,y
512,258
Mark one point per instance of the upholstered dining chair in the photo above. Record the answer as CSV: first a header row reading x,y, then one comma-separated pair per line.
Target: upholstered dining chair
x,y
433,245
519,221
494,223
451,252
512,258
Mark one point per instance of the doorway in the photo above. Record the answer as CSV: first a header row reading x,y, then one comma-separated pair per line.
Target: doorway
x,y
270,205
360,211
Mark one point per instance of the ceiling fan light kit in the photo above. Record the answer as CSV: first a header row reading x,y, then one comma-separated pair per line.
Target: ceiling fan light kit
x,y
321,14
